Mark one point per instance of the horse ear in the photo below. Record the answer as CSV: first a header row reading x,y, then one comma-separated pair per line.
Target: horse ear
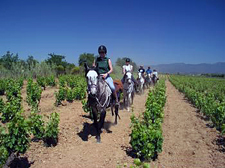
x,y
96,68
86,67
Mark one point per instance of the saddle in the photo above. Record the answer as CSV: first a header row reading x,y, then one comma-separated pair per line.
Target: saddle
x,y
107,88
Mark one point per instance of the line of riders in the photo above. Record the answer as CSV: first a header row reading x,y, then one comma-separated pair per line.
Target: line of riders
x,y
149,76
104,92
104,67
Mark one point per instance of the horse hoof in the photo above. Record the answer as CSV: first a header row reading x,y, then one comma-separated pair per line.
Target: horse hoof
x,y
115,123
98,140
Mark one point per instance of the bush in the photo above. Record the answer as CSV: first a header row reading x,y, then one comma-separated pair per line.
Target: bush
x,y
75,70
52,130
18,137
36,125
33,94
3,151
51,80
146,136
42,81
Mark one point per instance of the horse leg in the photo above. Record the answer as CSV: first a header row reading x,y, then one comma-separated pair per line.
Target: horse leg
x,y
117,114
129,101
111,106
95,116
132,97
124,100
101,121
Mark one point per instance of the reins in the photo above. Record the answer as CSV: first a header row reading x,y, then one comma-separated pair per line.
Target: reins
x,y
106,100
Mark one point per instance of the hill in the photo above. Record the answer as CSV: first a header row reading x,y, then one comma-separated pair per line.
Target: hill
x,y
218,68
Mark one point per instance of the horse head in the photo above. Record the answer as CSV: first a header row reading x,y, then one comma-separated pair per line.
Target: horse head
x,y
139,75
92,80
128,77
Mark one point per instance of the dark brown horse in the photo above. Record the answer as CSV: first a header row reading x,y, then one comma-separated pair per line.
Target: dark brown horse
x,y
100,97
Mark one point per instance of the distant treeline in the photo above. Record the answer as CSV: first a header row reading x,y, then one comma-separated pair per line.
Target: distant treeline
x,y
214,75
211,75
11,66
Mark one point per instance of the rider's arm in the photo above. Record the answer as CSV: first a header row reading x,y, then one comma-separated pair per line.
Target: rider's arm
x,y
94,64
124,70
110,67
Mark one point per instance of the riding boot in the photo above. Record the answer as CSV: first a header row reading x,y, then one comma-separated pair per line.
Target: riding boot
x,y
115,95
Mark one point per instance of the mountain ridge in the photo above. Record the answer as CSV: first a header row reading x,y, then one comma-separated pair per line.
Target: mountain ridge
x,y
183,68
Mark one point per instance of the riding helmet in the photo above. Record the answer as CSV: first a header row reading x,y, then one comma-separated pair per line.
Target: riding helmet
x,y
102,48
128,60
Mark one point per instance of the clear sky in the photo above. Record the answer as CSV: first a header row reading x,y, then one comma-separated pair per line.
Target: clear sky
x,y
149,32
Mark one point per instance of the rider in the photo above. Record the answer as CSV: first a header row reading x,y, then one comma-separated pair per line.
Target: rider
x,y
149,71
104,68
127,68
142,70
155,73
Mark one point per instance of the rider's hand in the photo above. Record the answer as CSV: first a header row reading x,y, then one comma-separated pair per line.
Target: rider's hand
x,y
104,75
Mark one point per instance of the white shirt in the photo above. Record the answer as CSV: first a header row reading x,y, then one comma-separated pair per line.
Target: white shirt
x,y
128,68
155,73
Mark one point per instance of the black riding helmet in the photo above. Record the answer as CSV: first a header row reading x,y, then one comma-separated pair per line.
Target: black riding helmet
x,y
128,60
102,48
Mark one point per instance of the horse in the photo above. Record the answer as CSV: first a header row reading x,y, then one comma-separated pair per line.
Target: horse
x,y
119,89
154,79
128,90
140,81
100,97
148,80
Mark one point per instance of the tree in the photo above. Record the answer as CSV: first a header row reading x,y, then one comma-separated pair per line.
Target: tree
x,y
69,67
86,57
8,60
56,59
122,61
59,61
31,62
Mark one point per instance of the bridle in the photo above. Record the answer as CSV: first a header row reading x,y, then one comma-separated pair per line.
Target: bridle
x,y
93,85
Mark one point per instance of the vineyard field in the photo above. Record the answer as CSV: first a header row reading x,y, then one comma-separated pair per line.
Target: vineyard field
x,y
162,130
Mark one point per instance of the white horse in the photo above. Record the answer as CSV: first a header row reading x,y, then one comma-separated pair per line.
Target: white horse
x,y
148,80
128,90
141,82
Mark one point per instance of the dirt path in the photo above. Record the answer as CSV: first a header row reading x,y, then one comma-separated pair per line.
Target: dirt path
x,y
77,144
188,140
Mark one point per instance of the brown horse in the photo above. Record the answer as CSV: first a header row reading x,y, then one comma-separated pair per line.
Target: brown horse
x,y
119,89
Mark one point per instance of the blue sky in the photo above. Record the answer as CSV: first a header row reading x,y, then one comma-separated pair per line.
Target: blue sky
x,y
149,32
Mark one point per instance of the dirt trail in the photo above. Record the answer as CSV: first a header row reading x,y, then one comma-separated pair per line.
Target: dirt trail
x,y
77,144
188,140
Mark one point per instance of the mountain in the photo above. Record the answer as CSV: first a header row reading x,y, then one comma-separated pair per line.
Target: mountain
x,y
218,68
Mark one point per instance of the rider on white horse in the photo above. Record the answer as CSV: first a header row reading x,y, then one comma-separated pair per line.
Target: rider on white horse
x,y
141,70
127,68
148,77
149,71
155,73
104,68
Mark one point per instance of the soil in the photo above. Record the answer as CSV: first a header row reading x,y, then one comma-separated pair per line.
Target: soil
x,y
77,145
189,141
